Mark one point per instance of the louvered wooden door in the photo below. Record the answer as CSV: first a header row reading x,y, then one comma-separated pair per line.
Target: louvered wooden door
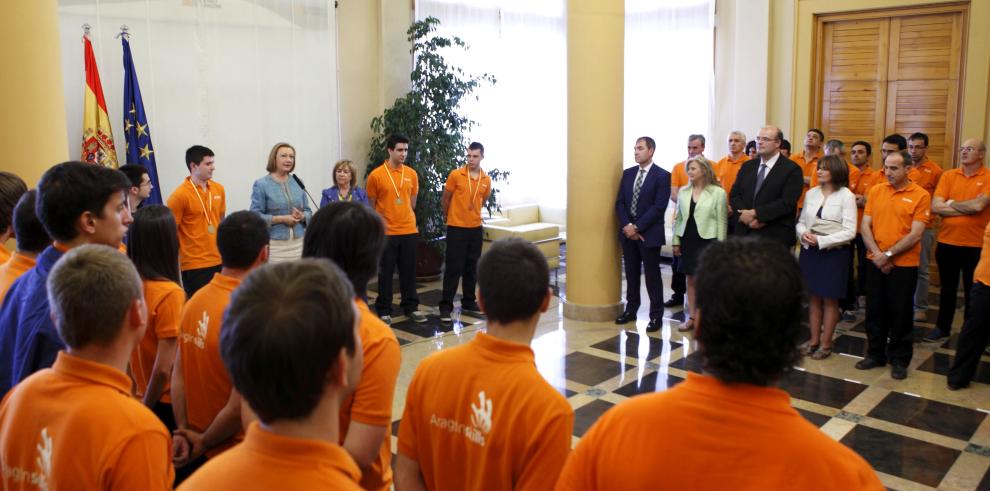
x,y
891,72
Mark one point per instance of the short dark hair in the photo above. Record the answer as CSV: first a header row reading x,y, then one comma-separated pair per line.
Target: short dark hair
x,y
821,136
240,238
395,139
31,234
896,139
919,136
282,334
904,155
12,188
837,168
746,337
784,145
153,244
90,291
69,189
134,173
692,138
651,144
195,154
513,277
351,235
751,145
477,146
869,148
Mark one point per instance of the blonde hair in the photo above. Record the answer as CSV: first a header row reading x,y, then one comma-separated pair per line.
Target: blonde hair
x,y
274,153
707,170
350,167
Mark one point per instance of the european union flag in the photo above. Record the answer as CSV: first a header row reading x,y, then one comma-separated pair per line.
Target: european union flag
x,y
137,135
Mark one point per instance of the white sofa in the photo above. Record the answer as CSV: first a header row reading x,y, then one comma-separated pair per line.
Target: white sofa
x,y
544,226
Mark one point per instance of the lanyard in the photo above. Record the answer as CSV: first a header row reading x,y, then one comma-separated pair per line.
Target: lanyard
x,y
388,171
474,195
209,221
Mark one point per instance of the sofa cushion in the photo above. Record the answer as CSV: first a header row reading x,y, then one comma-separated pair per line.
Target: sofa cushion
x,y
522,214
531,232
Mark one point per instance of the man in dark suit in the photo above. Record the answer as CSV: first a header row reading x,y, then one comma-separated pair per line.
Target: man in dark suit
x,y
640,206
765,195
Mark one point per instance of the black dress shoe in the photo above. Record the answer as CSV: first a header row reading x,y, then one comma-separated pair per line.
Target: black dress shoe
x,y
868,363
675,301
654,325
625,318
954,387
898,372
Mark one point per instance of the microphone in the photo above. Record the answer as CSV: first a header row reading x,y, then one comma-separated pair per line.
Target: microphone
x,y
303,186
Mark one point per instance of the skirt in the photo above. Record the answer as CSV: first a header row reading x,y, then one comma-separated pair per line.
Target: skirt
x,y
826,272
285,250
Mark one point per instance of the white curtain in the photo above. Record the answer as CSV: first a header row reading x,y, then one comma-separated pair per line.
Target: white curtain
x,y
669,75
522,119
234,75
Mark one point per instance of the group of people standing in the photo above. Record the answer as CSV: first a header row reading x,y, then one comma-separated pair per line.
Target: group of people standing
x,y
862,234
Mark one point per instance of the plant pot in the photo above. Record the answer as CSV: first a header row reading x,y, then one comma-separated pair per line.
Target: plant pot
x,y
429,261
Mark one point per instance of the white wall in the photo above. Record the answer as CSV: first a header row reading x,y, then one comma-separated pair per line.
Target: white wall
x,y
741,43
234,75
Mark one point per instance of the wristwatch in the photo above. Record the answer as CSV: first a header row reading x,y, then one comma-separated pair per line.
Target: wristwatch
x,y
888,254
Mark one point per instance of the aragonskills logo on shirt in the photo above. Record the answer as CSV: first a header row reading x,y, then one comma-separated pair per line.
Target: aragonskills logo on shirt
x,y
202,328
481,421
481,416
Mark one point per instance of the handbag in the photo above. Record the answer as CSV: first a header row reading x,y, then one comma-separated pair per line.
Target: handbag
x,y
826,227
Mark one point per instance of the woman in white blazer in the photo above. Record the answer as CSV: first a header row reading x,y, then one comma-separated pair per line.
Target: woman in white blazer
x,y
825,229
702,217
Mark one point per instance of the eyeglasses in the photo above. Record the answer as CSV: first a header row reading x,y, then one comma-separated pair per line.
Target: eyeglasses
x,y
764,139
970,149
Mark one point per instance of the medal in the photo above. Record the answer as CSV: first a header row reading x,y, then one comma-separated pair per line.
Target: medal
x,y
398,201
210,229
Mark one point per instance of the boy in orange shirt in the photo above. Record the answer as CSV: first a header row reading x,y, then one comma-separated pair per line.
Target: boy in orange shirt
x,y
352,236
895,217
860,154
207,409
290,342
392,188
464,194
12,188
730,428
75,425
32,238
976,329
926,174
199,205
480,416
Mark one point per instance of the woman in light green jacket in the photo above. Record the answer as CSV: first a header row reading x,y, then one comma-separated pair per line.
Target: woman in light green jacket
x,y
702,217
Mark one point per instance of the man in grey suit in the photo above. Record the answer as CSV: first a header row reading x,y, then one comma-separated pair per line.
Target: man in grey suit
x,y
765,195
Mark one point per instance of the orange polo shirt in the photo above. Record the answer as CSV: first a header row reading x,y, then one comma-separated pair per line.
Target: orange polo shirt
x,y
865,180
926,175
892,211
195,212
393,191
467,197
678,176
4,254
964,230
207,383
737,436
808,168
371,402
727,169
76,426
982,272
12,269
164,300
480,416
266,460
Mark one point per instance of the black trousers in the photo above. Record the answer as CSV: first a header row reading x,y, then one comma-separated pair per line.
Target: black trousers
x,y
953,260
678,281
460,263
861,265
848,302
973,338
399,250
890,314
164,412
634,256
194,279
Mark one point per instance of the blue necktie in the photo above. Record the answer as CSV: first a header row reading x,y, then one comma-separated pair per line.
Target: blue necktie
x,y
762,174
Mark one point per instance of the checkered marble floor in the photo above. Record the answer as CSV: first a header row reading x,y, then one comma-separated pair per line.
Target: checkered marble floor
x,y
915,432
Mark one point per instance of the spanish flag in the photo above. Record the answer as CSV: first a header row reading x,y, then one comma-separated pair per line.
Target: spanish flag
x,y
97,144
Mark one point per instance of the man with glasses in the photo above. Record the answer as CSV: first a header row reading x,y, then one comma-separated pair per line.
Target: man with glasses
x,y
961,199
926,174
766,192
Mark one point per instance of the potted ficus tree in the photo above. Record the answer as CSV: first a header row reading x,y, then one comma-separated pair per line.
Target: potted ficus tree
x,y
430,116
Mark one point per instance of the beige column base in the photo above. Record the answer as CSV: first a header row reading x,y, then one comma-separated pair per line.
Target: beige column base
x,y
591,313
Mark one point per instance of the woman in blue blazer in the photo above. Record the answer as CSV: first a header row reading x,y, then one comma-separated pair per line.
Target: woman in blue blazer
x,y
702,217
345,185
280,201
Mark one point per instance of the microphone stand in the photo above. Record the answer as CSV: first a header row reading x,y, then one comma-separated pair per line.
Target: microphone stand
x,y
303,186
